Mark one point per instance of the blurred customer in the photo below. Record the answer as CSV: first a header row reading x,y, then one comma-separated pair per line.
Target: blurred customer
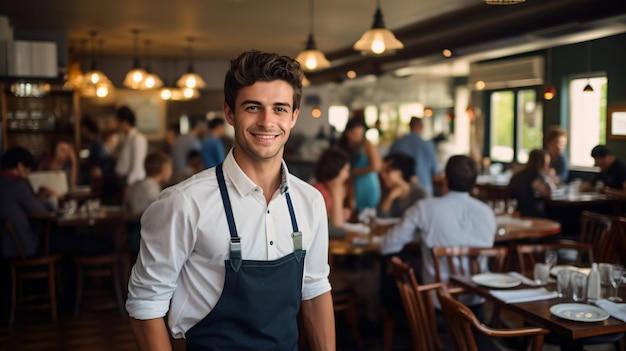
x,y
400,185
62,158
212,146
422,151
365,164
612,177
455,219
158,166
18,201
555,143
91,134
533,184
183,143
194,165
332,172
134,147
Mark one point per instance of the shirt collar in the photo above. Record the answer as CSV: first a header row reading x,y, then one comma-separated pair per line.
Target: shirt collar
x,y
242,183
458,193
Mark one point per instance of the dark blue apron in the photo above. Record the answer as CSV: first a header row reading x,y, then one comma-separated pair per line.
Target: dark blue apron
x,y
258,306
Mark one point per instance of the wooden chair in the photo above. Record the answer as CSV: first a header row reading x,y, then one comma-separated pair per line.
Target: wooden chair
x,y
27,269
528,255
461,323
97,269
418,305
471,258
595,231
612,247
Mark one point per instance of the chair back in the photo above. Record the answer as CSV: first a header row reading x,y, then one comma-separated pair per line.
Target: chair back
x,y
595,231
612,247
8,228
418,305
468,260
528,255
461,322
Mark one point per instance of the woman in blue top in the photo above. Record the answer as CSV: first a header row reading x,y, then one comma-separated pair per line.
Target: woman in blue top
x,y
365,164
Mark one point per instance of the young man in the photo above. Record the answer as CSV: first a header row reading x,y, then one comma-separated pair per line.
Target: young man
x,y
555,143
233,277
611,179
158,166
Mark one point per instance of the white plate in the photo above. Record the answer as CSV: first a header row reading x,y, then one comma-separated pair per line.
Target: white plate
x,y
555,270
579,312
496,280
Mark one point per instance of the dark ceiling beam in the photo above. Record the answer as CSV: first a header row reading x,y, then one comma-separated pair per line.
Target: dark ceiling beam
x,y
469,27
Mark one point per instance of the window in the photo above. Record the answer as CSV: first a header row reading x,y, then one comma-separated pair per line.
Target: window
x,y
338,117
516,125
587,119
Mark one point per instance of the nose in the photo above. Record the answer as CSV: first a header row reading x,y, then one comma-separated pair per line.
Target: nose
x,y
266,118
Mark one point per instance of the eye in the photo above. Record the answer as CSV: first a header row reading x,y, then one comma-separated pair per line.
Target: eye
x,y
252,108
280,109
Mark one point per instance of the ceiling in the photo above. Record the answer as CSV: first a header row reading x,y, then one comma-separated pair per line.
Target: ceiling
x,y
224,28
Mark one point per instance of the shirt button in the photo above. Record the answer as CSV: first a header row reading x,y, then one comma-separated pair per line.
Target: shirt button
x,y
271,242
268,211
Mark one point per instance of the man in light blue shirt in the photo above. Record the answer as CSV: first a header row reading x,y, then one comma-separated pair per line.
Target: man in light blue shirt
x,y
422,151
212,146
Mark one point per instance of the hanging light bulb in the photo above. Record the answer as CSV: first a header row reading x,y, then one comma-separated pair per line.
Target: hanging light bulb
x,y
134,78
378,41
588,88
311,59
550,91
94,78
151,80
190,79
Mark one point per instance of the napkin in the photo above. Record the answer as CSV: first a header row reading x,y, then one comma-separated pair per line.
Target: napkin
x,y
523,279
523,295
616,310
359,228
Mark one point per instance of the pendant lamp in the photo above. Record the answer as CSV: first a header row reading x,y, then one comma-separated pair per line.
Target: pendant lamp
x,y
378,41
504,2
134,77
588,88
95,82
151,80
311,59
549,91
190,79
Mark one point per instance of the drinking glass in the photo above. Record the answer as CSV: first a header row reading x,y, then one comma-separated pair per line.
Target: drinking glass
x,y
563,283
500,206
616,274
511,206
541,273
579,285
551,258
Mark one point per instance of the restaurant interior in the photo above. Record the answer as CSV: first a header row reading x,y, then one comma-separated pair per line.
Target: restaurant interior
x,y
486,78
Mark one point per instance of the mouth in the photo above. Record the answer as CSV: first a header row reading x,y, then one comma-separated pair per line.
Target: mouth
x,y
265,137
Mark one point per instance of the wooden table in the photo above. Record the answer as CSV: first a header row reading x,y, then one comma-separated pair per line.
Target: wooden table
x,y
539,312
580,199
538,228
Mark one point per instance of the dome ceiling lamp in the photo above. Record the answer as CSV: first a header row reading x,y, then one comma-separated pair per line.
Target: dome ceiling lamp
x,y
190,79
312,59
95,82
588,88
134,78
378,41
549,91
151,80
504,2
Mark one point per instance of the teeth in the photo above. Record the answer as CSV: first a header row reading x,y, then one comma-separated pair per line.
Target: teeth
x,y
265,136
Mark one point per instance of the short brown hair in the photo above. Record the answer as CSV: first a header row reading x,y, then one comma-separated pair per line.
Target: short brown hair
x,y
253,66
155,161
330,164
553,133
461,173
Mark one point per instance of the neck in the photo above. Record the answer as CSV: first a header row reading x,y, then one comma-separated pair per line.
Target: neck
x,y
264,173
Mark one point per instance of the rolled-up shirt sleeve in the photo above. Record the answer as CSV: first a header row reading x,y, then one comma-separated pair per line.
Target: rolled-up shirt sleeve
x,y
168,236
316,263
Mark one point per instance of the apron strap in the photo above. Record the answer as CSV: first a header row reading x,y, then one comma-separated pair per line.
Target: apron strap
x,y
297,234
235,241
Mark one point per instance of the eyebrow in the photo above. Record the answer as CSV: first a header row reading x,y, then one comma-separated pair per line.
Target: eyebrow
x,y
255,102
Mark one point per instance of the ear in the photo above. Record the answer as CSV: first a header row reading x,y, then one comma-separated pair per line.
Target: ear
x,y
229,114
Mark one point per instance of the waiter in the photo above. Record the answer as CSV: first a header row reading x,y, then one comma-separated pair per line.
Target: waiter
x,y
233,253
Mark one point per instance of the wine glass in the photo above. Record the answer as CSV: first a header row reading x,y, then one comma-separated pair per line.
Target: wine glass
x,y
551,258
511,205
615,276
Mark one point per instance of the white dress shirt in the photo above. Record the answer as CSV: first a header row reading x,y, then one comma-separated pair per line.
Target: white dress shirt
x,y
132,155
455,219
185,241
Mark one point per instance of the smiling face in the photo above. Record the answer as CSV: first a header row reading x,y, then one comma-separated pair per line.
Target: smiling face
x,y
263,116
